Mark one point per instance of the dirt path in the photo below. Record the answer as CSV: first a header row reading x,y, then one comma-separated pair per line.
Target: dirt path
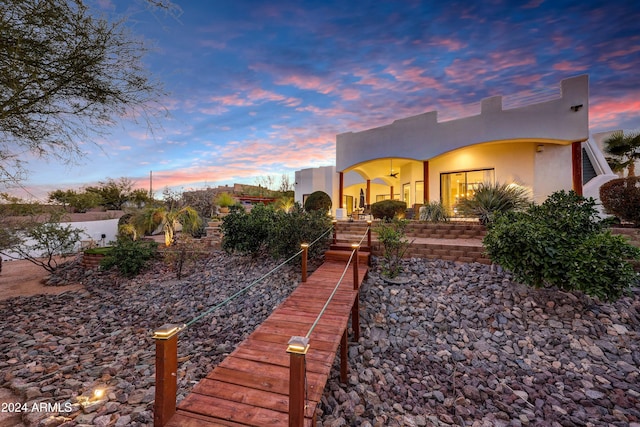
x,y
22,278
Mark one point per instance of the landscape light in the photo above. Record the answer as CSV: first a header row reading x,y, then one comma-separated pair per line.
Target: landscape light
x,y
98,393
298,345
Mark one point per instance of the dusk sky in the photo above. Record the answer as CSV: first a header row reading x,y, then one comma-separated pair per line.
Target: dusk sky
x,y
262,88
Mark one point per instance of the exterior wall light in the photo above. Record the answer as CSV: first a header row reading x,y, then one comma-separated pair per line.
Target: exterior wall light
x,y
540,148
576,108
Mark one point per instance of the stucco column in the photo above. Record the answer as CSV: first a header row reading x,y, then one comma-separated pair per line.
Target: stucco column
x,y
392,192
341,190
576,166
368,195
425,181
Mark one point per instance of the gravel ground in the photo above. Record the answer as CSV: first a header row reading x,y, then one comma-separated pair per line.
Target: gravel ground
x,y
458,344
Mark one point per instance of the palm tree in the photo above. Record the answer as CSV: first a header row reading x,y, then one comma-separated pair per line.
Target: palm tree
x,y
152,218
624,151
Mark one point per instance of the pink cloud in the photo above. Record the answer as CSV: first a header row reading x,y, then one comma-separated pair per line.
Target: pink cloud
x,y
414,75
307,83
449,44
231,100
527,80
569,66
608,113
633,48
376,83
461,71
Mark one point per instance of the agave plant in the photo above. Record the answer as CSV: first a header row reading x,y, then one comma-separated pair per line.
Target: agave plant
x,y
434,212
490,199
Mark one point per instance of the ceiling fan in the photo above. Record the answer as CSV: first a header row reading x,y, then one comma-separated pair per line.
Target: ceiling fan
x,y
391,172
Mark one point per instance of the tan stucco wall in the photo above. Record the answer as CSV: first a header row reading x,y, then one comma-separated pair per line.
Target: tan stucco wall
x,y
513,163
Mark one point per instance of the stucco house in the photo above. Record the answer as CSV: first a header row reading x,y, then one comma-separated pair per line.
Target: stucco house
x,y
543,146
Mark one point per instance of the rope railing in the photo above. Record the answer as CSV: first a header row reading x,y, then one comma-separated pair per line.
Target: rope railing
x,y
166,338
298,346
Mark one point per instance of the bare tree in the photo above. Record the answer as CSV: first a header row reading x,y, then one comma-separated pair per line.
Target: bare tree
x,y
65,76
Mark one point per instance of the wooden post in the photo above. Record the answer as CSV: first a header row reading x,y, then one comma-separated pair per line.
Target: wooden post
x,y
297,349
425,181
335,231
355,248
341,190
166,373
576,166
305,254
369,234
391,192
344,351
355,310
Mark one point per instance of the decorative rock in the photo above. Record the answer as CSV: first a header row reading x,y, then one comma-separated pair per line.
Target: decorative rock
x,y
457,344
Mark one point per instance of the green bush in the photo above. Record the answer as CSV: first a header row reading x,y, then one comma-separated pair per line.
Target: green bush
x,y
621,197
293,228
247,232
394,243
269,230
225,200
389,209
563,243
433,212
318,201
491,199
130,257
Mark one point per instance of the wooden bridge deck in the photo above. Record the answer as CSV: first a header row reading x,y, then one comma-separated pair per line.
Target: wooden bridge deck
x,y
251,386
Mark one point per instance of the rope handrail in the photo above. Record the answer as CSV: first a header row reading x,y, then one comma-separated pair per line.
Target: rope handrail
x,y
335,289
246,288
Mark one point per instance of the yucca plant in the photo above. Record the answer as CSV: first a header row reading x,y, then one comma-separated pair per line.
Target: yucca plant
x,y
434,212
490,199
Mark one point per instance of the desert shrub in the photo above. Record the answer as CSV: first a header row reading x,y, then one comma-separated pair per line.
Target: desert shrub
x,y
290,229
318,201
185,254
130,257
563,243
269,230
247,232
433,212
621,197
225,200
394,243
490,199
388,209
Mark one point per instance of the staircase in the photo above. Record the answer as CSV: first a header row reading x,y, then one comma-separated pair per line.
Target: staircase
x,y
452,241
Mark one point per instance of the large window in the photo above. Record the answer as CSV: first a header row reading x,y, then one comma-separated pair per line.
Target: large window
x,y
406,194
457,185
347,202
420,192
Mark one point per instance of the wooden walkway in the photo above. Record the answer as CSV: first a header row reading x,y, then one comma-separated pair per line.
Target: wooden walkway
x,y
251,386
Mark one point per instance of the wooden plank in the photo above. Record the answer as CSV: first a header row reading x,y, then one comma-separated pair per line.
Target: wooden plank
x,y
250,387
233,411
189,419
315,381
276,355
236,393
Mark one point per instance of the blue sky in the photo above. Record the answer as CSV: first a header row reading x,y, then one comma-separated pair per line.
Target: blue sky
x,y
261,88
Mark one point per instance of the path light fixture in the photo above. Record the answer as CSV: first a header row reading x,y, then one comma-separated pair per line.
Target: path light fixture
x,y
98,393
298,345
